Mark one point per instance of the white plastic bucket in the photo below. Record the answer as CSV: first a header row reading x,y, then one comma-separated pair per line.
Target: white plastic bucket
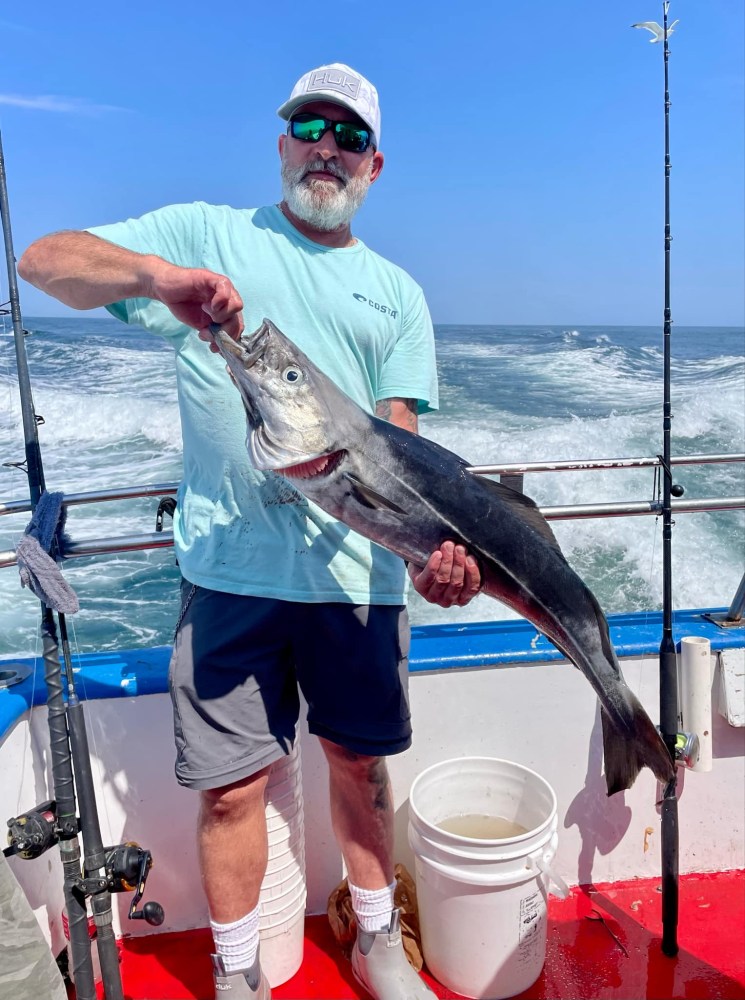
x,y
293,852
280,878
283,890
482,903
282,941
290,832
281,808
287,903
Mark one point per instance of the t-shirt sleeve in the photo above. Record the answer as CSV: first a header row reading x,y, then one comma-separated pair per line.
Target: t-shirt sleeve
x,y
177,234
410,371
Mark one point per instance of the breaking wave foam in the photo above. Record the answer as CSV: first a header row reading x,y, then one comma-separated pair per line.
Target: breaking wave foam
x,y
507,395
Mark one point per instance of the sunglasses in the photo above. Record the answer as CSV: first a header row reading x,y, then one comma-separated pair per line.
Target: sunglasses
x,y
311,128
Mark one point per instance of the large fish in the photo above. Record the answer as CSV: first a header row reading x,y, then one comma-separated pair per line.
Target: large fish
x,y
409,494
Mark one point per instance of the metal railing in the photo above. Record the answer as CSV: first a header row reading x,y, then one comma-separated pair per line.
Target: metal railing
x,y
163,539
97,496
600,464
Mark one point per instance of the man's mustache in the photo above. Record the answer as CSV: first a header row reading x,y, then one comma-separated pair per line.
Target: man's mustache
x,y
327,166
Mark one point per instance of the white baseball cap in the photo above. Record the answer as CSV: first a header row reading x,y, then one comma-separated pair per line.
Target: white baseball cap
x,y
341,85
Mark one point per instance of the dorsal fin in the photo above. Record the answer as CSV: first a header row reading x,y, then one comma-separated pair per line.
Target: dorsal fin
x,y
524,506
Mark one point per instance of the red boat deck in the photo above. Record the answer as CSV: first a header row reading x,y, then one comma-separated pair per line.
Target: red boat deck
x,y
603,942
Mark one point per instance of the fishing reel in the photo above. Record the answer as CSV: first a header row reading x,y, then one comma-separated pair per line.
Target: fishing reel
x,y
127,868
33,832
687,748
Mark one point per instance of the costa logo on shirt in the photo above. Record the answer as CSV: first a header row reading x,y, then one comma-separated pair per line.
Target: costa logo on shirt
x,y
386,310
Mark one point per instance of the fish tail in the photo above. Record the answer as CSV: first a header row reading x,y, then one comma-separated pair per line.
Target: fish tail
x,y
625,757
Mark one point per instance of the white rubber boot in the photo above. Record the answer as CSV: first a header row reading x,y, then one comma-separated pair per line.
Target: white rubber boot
x,y
380,964
243,984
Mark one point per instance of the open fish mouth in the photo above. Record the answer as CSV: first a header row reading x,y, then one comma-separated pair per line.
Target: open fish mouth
x,y
312,468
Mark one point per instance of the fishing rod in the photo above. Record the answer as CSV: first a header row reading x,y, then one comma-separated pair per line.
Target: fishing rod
x,y
55,821
104,870
668,659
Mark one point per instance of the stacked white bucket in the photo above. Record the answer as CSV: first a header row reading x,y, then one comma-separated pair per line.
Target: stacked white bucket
x,y
283,891
482,903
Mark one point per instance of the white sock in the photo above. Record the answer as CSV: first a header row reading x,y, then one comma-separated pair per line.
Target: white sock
x,y
372,907
237,943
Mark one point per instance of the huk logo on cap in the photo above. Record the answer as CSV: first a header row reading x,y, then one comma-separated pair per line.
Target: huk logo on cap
x,y
339,84
331,79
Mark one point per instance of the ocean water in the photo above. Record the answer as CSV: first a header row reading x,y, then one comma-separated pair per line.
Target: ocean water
x,y
107,396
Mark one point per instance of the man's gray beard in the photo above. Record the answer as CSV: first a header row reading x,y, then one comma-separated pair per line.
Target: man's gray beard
x,y
322,204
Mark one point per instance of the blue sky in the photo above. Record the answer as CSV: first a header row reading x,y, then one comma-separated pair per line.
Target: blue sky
x,y
524,146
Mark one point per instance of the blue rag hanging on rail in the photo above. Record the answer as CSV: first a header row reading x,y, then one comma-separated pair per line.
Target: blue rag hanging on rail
x,y
39,572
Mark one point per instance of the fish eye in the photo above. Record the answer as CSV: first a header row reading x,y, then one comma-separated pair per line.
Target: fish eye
x,y
292,375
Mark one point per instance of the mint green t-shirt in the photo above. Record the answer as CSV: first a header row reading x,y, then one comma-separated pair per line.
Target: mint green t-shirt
x,y
360,318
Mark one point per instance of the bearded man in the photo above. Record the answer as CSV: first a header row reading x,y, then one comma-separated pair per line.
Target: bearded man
x,y
276,594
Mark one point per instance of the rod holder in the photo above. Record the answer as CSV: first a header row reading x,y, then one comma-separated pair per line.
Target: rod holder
x,y
695,673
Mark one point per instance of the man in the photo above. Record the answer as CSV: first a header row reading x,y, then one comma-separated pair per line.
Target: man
x,y
276,593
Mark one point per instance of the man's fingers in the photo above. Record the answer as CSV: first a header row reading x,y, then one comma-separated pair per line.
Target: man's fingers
x,y
224,308
450,577
206,334
444,573
472,574
198,297
223,305
225,302
232,324
471,582
458,567
425,577
235,326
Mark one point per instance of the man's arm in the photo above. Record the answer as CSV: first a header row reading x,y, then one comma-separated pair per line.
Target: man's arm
x,y
402,412
451,576
85,271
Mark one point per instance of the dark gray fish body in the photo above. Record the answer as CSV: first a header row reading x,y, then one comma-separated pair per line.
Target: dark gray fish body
x,y
409,494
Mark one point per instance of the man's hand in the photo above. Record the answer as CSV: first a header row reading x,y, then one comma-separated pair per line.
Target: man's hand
x,y
450,577
199,297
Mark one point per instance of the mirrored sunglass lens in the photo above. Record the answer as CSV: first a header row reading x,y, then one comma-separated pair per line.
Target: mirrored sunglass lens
x,y
308,131
351,137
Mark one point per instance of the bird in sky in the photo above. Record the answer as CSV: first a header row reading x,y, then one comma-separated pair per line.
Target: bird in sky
x,y
657,30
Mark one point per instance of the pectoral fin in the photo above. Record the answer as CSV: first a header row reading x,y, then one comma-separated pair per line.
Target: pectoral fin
x,y
369,497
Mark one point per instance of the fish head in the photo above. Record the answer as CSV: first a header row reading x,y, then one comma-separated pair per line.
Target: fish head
x,y
296,414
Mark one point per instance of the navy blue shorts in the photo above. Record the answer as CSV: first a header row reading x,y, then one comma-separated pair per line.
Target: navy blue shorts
x,y
238,662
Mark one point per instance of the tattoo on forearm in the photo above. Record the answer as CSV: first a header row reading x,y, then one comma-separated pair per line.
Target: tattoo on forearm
x,y
412,420
383,409
406,414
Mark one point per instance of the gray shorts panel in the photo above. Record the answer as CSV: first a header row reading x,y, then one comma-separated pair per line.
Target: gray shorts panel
x,y
235,670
